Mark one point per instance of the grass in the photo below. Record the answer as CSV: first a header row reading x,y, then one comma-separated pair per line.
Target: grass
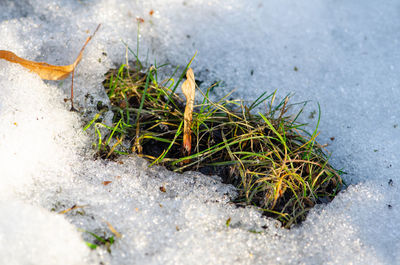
x,y
270,158
99,241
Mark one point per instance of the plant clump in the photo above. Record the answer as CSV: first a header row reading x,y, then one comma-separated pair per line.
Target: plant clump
x,y
269,157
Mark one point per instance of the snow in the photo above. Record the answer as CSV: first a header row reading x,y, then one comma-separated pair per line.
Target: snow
x,y
32,235
348,60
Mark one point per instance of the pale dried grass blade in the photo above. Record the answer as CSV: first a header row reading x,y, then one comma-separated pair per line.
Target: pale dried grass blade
x,y
112,229
188,89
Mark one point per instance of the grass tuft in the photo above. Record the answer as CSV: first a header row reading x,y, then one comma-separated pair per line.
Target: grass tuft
x,y
269,157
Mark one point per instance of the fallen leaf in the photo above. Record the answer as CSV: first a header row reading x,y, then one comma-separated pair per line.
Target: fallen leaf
x,y
106,182
44,70
188,89
47,71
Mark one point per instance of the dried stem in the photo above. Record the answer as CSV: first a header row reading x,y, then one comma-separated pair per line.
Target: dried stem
x,y
188,89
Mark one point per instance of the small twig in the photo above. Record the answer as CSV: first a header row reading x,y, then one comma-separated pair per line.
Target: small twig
x,y
75,65
71,208
72,91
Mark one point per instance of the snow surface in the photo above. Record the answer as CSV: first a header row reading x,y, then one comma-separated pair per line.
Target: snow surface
x,y
347,58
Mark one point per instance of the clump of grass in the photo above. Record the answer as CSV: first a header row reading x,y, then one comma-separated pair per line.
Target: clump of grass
x,y
269,157
107,242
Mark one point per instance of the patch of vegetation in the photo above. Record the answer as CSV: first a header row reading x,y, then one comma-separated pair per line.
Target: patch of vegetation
x,y
99,241
269,157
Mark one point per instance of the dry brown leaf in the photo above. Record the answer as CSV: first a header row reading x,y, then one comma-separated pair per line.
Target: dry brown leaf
x,y
188,89
44,70
47,71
